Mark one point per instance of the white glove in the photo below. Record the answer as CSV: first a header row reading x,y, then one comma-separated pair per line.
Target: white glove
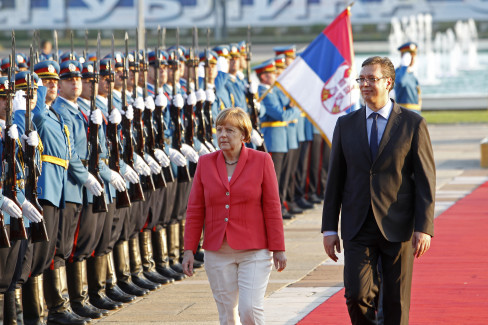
x,y
161,100
178,101
210,146
129,113
32,139
30,212
406,59
39,82
210,95
257,105
149,103
162,158
189,153
253,88
222,64
176,157
200,95
19,101
115,117
13,132
130,175
191,99
256,139
93,185
141,167
155,167
117,181
8,206
240,75
96,116
138,103
203,150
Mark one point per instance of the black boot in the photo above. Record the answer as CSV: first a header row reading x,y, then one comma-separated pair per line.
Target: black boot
x,y
293,208
314,198
160,246
136,266
173,247
181,239
304,204
111,288
96,276
9,309
57,301
286,215
122,270
78,291
148,263
33,301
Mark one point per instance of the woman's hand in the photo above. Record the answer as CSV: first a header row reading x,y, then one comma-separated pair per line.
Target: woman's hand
x,y
279,260
188,262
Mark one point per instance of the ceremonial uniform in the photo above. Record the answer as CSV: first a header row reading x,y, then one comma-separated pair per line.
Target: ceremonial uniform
x,y
407,88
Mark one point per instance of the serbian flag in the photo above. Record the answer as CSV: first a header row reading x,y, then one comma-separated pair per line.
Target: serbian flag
x,y
321,80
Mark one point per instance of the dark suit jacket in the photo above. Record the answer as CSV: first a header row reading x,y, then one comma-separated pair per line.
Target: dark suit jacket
x,y
399,184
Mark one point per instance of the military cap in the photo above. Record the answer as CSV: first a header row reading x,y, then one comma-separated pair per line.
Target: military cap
x,y
163,57
266,66
69,69
3,86
289,51
408,47
182,50
234,50
6,65
211,55
88,70
222,50
172,57
92,57
68,56
242,47
280,61
21,60
47,69
105,65
21,80
119,59
132,56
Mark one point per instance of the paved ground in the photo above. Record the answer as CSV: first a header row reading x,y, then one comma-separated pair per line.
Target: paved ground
x,y
310,277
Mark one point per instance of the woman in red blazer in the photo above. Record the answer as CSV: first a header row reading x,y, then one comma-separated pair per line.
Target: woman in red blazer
x,y
235,198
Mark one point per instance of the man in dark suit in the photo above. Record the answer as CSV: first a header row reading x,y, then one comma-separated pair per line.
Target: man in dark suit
x,y
382,180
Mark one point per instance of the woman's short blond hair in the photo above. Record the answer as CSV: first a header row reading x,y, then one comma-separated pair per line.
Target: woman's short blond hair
x,y
239,118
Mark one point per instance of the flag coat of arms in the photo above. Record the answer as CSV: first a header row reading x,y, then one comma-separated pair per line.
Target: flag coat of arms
x,y
321,80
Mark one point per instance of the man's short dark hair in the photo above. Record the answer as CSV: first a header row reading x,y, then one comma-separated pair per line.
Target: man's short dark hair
x,y
387,67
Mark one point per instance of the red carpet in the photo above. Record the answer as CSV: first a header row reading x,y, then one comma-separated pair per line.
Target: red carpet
x,y
450,282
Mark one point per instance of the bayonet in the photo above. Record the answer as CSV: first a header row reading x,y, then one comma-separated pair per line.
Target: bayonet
x,y
72,54
85,52
56,50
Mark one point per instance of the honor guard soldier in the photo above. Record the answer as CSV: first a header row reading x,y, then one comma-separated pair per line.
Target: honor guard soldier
x,y
234,86
274,120
223,93
407,88
289,52
12,248
66,105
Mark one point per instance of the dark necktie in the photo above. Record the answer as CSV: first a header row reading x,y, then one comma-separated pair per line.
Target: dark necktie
x,y
373,138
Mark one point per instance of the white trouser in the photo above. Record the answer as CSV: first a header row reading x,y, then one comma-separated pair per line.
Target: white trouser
x,y
239,276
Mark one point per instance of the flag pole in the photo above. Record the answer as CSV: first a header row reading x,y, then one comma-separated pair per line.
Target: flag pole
x,y
266,92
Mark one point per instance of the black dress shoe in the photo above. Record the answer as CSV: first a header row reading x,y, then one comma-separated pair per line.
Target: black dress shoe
x,y
116,294
67,317
314,198
177,267
288,216
89,311
145,283
131,289
304,204
294,209
197,264
199,256
104,302
170,273
157,278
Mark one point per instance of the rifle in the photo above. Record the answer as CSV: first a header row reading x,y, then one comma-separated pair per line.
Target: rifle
x,y
207,106
158,111
99,203
188,113
135,190
122,198
38,229
17,228
56,56
175,112
251,99
159,180
146,181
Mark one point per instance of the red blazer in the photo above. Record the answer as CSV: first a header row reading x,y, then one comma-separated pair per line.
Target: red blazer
x,y
247,211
